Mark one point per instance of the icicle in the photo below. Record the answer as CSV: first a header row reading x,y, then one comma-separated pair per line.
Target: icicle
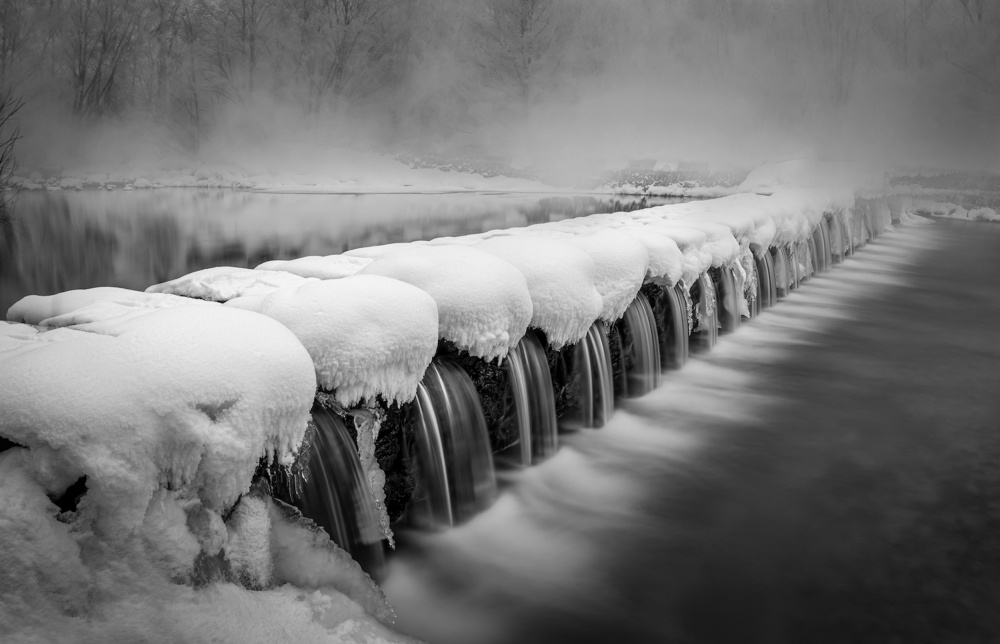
x,y
747,267
688,304
367,422
706,312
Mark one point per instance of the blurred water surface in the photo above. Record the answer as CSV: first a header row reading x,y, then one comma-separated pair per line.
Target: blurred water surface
x,y
56,241
828,473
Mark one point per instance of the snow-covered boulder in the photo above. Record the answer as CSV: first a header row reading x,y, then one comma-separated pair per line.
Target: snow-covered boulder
x,y
719,244
621,262
561,281
366,334
186,398
483,302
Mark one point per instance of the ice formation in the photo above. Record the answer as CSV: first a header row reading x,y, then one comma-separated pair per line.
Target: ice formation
x,y
483,302
366,334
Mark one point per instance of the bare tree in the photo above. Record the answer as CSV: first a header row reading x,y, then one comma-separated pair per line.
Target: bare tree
x,y
238,31
341,50
973,44
101,35
519,38
9,107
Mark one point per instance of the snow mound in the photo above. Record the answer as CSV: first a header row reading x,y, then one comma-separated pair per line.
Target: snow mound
x,y
720,244
622,263
561,280
324,268
223,283
366,334
187,397
483,302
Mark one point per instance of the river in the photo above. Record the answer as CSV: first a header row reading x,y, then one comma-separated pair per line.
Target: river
x,y
828,473
57,241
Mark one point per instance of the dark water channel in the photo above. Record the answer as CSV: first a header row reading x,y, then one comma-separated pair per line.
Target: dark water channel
x,y
828,473
57,241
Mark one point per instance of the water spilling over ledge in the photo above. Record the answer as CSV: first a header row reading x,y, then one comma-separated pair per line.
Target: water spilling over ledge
x,y
464,383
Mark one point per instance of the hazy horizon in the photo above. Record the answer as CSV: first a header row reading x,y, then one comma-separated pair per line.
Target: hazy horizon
x,y
573,84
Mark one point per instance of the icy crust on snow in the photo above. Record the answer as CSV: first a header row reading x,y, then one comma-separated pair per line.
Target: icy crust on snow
x,y
561,282
325,268
223,283
483,302
366,334
188,398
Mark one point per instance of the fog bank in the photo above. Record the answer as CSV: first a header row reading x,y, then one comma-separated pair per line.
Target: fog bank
x,y
266,85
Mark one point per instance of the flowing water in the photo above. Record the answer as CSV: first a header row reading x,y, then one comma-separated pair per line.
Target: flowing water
x,y
640,349
827,473
454,463
534,401
336,495
592,364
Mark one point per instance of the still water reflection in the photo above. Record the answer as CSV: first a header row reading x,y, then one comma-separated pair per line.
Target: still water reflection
x,y
66,240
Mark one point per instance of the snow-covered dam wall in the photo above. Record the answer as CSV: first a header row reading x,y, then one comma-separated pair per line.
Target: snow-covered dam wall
x,y
185,409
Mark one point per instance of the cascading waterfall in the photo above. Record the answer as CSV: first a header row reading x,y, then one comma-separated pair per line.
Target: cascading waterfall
x,y
530,386
591,366
765,276
451,451
797,258
838,240
782,272
671,319
821,244
336,494
640,351
729,301
813,249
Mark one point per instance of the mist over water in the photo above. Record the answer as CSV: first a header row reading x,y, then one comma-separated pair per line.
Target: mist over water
x,y
573,84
